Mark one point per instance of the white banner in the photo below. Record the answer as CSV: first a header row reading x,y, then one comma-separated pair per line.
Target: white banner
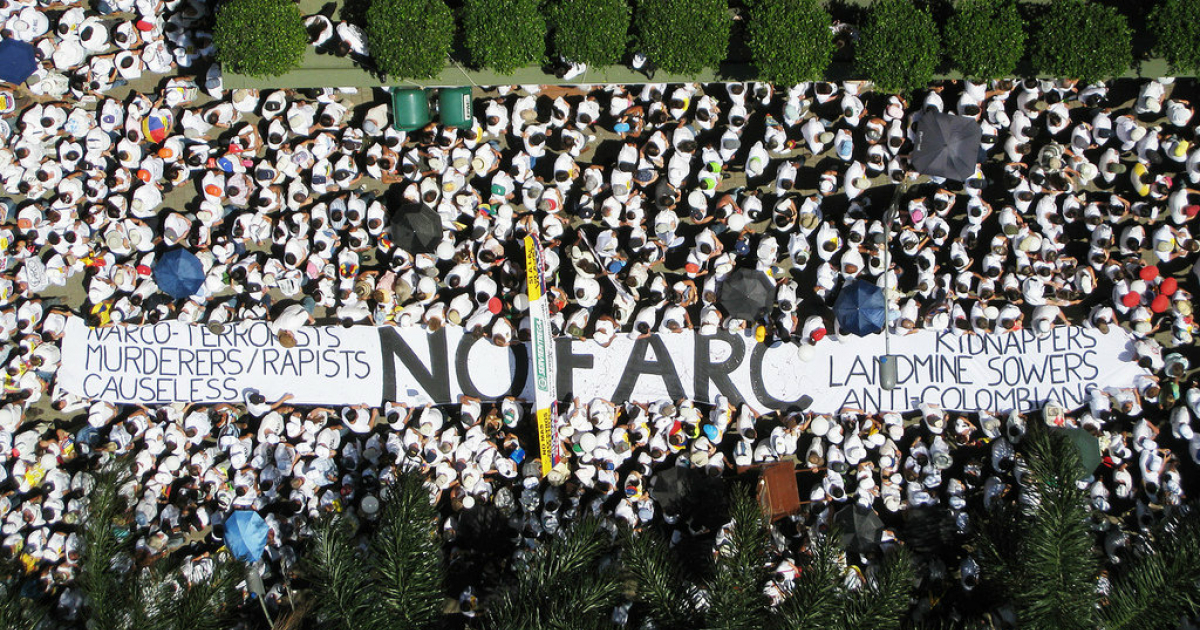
x,y
171,362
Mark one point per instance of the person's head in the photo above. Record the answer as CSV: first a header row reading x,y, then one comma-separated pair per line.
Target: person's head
x,y
287,339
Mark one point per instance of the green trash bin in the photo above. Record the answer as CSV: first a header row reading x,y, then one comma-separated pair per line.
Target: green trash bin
x,y
410,109
454,107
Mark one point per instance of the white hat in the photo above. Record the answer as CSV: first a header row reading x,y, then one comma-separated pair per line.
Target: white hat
x,y
991,312
737,221
806,352
820,425
1137,133
1043,326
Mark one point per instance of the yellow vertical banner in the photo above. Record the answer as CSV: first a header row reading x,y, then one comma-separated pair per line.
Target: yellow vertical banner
x,y
542,355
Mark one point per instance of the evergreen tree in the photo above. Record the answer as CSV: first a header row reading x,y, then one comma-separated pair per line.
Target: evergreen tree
x,y
396,580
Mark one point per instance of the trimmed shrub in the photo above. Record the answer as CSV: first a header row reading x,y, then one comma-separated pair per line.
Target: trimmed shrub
x,y
259,38
504,34
790,40
899,49
684,36
409,39
985,39
594,32
1082,40
1177,25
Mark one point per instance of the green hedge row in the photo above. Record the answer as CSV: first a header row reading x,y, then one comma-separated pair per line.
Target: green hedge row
x,y
900,45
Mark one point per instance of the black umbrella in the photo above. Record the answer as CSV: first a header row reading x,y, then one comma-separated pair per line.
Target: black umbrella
x,y
747,294
670,487
861,529
416,229
947,146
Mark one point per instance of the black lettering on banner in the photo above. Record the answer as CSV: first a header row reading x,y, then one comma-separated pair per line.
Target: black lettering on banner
x,y
662,365
462,361
1088,357
92,351
566,362
760,388
718,373
360,359
87,390
435,379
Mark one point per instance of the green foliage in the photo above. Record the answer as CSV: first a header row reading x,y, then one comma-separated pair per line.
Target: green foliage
x,y
259,37
1158,585
985,38
504,34
407,553
662,586
18,612
123,597
341,590
816,595
790,40
164,600
562,584
1082,40
409,39
1041,557
106,550
820,600
741,571
881,603
684,36
398,583
1176,24
899,49
590,31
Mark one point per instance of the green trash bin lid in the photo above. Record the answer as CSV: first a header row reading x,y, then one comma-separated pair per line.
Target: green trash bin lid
x,y
454,107
410,109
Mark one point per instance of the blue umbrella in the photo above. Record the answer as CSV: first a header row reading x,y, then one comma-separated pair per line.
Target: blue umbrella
x,y
179,273
17,60
246,535
859,308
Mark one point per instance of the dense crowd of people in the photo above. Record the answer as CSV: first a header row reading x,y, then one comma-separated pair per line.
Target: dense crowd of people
x,y
645,198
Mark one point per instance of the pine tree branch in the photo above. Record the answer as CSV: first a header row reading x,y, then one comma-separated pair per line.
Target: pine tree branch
x,y
1058,590
661,584
1158,585
343,597
407,555
881,603
106,545
813,602
741,572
